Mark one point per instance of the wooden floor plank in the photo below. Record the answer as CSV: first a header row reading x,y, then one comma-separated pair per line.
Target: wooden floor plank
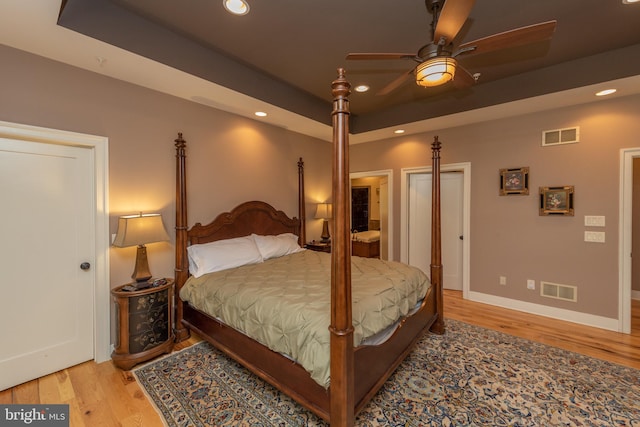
x,y
26,393
90,396
103,395
6,396
49,389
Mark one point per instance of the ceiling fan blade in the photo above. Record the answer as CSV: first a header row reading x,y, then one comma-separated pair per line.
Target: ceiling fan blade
x,y
395,84
368,56
463,79
453,15
513,38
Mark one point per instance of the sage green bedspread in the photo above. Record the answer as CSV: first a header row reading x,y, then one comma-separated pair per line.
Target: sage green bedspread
x,y
284,303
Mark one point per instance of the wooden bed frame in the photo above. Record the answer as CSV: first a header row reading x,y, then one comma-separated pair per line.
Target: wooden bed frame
x,y
356,373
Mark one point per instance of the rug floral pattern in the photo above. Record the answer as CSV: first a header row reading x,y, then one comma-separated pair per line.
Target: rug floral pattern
x,y
468,377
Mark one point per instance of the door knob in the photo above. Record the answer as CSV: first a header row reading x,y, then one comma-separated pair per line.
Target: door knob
x,y
85,266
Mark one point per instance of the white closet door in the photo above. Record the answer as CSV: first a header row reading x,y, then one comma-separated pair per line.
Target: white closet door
x,y
47,209
451,200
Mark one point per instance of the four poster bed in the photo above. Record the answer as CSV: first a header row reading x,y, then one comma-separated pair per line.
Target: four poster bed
x,y
350,358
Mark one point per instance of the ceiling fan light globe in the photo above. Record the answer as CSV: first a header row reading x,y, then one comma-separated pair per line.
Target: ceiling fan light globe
x,y
435,72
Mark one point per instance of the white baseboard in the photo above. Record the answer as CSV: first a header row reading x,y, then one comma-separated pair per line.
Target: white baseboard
x,y
543,310
635,294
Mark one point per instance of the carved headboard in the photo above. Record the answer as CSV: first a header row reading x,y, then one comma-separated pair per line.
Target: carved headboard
x,y
249,217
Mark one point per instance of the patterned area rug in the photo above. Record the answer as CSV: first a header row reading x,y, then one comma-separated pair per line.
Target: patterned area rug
x,y
468,377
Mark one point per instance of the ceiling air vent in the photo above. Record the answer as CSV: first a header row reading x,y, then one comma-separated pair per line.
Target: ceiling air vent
x,y
560,136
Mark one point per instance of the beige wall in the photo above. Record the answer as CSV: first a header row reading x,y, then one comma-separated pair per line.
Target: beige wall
x,y
230,159
508,237
235,159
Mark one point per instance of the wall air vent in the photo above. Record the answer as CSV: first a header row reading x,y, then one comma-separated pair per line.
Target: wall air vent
x,y
560,136
558,291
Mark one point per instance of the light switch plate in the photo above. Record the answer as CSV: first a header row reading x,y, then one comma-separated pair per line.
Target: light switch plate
x,y
594,236
593,221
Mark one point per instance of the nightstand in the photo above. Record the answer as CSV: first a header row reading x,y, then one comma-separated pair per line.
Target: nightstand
x,y
144,323
318,246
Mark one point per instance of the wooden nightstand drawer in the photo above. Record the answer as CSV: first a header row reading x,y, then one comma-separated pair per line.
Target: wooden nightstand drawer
x,y
149,338
145,303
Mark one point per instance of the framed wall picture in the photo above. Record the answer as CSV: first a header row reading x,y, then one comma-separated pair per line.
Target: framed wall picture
x,y
556,200
514,181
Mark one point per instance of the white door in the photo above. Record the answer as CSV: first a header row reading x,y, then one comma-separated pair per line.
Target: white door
x,y
419,235
47,207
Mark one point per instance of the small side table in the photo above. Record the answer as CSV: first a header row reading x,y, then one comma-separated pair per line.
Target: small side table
x,y
318,246
144,323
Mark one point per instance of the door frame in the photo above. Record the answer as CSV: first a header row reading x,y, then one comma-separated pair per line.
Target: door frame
x,y
99,146
465,169
624,250
388,173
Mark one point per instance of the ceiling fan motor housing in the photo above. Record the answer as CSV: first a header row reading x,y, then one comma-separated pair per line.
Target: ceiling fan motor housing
x,y
432,50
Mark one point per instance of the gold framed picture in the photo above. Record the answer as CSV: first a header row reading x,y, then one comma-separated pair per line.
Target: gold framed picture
x,y
556,200
514,181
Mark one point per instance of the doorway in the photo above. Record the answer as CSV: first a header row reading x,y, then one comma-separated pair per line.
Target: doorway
x,y
56,219
455,195
383,218
628,198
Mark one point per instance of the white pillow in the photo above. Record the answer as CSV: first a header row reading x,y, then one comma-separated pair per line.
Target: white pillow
x,y
222,255
277,246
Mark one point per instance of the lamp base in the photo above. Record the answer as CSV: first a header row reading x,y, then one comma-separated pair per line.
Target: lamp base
x,y
325,237
141,271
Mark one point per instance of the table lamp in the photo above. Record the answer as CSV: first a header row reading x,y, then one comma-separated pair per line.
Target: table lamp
x,y
138,230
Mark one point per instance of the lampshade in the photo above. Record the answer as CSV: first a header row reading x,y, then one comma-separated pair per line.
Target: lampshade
x,y
435,71
323,211
138,230
134,230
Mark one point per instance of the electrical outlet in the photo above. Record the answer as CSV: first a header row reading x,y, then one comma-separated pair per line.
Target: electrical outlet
x,y
503,280
531,284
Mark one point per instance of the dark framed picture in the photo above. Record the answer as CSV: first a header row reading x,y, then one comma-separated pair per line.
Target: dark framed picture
x,y
556,200
514,181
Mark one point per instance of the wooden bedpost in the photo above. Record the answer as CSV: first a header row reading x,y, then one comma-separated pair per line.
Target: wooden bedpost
x,y
181,263
302,238
436,241
342,367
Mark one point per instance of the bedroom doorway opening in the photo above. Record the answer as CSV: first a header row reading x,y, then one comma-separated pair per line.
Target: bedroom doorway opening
x,y
629,229
377,185
416,217
54,261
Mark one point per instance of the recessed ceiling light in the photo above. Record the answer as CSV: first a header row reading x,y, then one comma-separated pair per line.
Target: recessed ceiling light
x,y
630,1
398,131
605,92
361,88
260,114
237,7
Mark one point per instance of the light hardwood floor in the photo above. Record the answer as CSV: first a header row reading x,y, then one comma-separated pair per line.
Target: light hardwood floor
x,y
102,395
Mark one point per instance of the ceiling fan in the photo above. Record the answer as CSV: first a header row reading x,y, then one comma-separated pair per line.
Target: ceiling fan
x,y
437,63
